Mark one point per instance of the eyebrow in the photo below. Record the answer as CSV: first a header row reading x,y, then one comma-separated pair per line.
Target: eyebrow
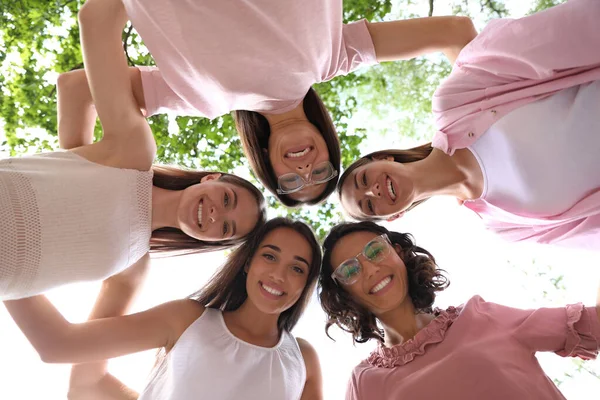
x,y
277,249
234,199
233,228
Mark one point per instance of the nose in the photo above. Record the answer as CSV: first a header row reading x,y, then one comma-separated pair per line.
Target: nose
x,y
213,214
304,169
276,274
374,190
369,268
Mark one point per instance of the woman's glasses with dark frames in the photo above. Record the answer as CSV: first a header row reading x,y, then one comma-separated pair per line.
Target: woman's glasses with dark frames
x,y
375,251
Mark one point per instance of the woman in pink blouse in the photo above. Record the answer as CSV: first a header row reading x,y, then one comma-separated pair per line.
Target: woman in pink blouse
x,y
517,135
260,58
372,277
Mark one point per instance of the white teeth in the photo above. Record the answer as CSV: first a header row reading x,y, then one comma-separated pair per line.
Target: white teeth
x,y
271,290
391,189
299,154
381,285
200,214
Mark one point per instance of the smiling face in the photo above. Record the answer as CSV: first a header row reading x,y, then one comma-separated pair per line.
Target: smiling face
x,y
296,146
380,287
380,188
278,271
213,210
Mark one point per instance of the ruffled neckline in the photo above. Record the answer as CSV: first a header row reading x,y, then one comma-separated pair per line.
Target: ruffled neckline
x,y
403,353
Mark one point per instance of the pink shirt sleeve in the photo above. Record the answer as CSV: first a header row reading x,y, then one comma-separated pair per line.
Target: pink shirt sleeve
x,y
357,48
160,98
352,388
537,46
573,331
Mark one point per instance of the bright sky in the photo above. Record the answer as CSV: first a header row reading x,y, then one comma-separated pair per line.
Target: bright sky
x,y
477,263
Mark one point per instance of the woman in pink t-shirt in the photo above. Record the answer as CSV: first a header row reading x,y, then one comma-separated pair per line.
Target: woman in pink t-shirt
x,y
260,59
517,135
373,278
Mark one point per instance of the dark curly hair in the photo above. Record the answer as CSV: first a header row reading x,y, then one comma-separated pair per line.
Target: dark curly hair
x,y
424,280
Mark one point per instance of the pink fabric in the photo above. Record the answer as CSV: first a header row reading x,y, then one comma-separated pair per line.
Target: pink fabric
x,y
512,63
258,55
478,351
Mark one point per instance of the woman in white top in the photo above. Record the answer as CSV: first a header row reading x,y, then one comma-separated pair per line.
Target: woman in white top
x,y
517,138
230,340
103,204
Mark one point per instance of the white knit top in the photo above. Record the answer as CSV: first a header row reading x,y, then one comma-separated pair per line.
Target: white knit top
x,y
65,219
209,362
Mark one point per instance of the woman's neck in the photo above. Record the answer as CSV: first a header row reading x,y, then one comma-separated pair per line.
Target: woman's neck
x,y
403,323
458,175
293,115
253,326
165,204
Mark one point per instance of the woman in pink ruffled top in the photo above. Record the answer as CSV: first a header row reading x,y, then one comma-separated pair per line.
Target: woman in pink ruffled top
x,y
372,277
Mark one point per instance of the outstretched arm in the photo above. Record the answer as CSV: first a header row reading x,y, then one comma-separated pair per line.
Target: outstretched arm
x,y
58,341
409,38
116,296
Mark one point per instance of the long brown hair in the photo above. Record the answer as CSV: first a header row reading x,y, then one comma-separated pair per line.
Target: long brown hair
x,y
401,156
174,241
424,280
254,131
226,290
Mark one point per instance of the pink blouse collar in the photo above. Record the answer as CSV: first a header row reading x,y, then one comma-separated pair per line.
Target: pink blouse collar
x,y
434,332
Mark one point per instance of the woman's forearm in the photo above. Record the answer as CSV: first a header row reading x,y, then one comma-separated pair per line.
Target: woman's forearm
x,y
107,388
116,297
76,111
405,39
40,321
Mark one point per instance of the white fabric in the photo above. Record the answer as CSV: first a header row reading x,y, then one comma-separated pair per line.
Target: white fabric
x,y
542,158
64,219
209,362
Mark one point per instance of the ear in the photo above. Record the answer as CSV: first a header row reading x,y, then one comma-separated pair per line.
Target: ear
x,y
265,152
398,248
210,177
395,217
382,158
246,268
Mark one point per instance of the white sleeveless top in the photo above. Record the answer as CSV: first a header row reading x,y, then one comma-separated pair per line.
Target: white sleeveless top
x,y
209,362
65,219
542,158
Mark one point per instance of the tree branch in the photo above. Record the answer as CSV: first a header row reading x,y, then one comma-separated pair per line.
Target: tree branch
x,y
430,8
125,47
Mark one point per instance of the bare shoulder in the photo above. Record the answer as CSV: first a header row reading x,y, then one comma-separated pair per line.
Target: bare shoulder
x,y
180,314
313,387
311,358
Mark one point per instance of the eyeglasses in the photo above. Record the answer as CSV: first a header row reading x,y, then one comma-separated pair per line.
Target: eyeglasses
x,y
291,183
375,251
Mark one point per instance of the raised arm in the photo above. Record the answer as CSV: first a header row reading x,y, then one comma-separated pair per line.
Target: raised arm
x,y
116,296
127,135
313,387
409,38
76,112
58,341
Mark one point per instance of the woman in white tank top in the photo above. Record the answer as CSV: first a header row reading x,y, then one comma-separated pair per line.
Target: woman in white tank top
x,y
517,138
230,340
103,204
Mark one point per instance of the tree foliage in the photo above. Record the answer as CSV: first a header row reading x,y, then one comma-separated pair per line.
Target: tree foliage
x,y
40,38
